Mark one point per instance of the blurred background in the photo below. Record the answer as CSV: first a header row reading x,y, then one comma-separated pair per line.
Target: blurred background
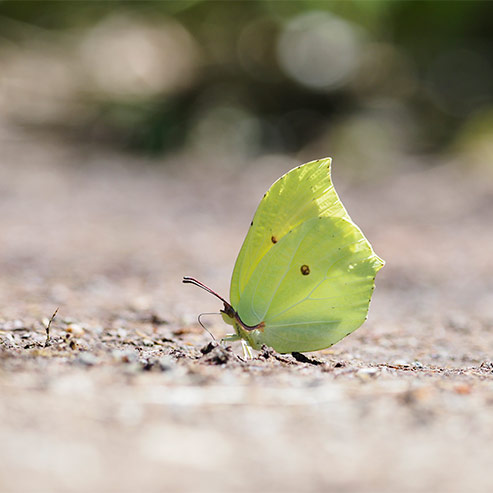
x,y
365,81
136,140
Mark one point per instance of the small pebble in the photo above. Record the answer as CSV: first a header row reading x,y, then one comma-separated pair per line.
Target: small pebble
x,y
124,356
88,359
166,363
400,362
366,373
122,333
75,329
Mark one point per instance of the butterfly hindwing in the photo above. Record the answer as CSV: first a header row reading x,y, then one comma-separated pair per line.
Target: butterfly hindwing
x,y
311,288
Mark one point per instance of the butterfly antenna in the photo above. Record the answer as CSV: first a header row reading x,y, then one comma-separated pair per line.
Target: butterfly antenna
x,y
204,327
191,280
228,309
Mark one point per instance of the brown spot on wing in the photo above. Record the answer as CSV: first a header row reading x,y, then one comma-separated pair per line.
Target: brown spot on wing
x,y
305,270
273,239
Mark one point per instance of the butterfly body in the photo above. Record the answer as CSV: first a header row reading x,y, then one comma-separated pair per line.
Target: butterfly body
x,y
305,274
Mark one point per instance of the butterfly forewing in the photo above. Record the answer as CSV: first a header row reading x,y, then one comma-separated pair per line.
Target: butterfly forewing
x,y
300,195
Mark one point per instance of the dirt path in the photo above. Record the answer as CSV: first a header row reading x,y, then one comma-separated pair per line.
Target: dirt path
x,y
130,395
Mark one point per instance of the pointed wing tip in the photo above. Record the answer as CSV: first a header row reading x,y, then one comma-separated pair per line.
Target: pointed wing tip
x,y
321,161
379,262
324,160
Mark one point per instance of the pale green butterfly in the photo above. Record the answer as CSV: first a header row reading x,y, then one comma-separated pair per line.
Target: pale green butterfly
x,y
305,274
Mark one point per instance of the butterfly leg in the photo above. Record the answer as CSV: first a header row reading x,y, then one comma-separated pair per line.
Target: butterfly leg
x,y
231,338
247,351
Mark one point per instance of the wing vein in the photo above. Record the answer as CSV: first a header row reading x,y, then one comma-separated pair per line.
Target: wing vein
x,y
282,278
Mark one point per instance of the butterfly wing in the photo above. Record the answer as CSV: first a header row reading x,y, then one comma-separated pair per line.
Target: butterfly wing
x,y
311,288
303,193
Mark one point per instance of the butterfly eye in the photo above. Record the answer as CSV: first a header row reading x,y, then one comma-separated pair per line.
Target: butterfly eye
x,y
305,270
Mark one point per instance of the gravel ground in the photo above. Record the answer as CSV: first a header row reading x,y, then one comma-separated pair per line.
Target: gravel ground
x,y
131,394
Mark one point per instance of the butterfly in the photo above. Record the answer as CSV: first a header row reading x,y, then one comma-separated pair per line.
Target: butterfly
x,y
305,274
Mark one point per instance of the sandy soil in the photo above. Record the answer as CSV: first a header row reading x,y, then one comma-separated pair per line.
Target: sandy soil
x,y
130,395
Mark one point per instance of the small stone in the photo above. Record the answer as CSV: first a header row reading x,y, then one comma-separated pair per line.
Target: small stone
x,y
366,373
166,363
148,364
218,356
87,359
208,347
121,333
147,342
400,362
301,358
155,319
124,356
75,329
97,330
